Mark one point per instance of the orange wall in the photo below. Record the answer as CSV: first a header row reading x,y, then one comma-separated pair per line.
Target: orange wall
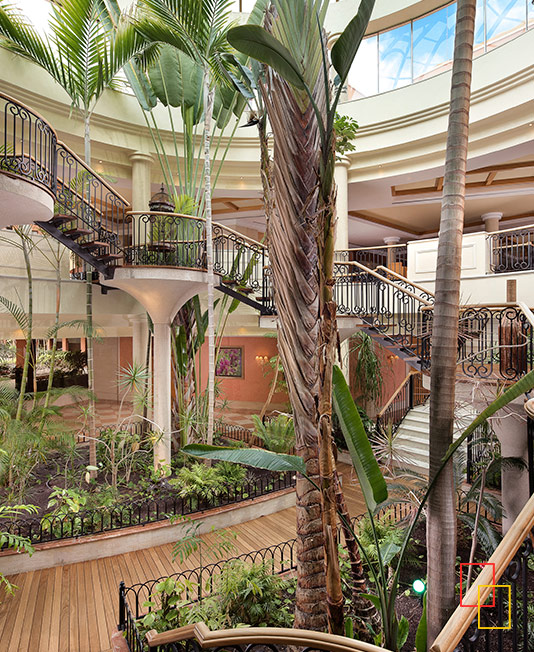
x,y
253,387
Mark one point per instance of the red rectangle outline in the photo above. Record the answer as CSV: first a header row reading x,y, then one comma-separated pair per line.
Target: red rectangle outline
x,y
487,563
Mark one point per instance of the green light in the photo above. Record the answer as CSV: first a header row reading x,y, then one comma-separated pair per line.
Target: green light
x,y
419,586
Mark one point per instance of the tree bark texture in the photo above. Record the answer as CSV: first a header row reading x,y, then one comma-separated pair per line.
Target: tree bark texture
x,y
441,521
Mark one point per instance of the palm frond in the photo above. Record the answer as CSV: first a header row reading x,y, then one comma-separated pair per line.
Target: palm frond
x,y
17,312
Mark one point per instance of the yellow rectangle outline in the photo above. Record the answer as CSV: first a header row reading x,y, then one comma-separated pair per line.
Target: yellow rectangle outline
x,y
496,586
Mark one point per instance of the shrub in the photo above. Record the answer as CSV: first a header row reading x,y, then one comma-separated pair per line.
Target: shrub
x,y
246,594
198,480
278,434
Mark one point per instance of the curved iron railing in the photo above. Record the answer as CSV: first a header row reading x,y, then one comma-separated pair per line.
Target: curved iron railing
x,y
512,251
97,521
165,240
28,144
393,256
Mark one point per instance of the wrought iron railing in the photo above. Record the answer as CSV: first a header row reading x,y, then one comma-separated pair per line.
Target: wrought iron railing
x,y
27,144
165,240
512,250
495,341
394,312
408,395
106,519
391,256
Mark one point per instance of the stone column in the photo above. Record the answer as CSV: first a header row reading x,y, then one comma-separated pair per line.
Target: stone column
x,y
162,393
390,260
512,434
141,190
139,339
341,177
491,221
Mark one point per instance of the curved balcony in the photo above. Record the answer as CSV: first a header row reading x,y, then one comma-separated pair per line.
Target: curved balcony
x,y
27,164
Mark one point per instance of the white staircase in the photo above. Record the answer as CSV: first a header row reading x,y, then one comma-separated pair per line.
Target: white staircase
x,y
413,434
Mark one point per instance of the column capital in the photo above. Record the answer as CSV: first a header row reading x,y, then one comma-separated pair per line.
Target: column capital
x,y
141,157
496,215
342,161
392,240
137,319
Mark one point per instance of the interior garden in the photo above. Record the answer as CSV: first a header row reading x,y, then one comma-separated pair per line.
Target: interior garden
x,y
215,435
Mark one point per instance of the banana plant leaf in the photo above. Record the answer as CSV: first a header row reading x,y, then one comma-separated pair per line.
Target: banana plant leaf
x,y
371,480
255,457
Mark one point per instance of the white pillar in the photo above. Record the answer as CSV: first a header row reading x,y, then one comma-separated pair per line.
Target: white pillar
x,y
341,242
491,221
141,190
390,258
341,177
139,339
162,393
512,434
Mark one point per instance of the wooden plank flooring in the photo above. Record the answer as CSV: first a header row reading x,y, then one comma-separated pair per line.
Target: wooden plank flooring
x,y
74,608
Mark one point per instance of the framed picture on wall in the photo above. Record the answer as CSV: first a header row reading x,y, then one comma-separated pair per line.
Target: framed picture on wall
x,y
230,362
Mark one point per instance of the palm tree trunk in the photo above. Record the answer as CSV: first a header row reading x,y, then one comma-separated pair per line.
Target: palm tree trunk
x,y
441,521
50,383
29,332
208,112
89,318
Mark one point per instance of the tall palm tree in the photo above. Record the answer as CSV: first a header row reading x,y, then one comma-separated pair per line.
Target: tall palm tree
x,y
441,520
79,55
300,104
197,28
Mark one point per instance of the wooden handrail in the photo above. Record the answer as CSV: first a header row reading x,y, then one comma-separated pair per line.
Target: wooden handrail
x,y
516,228
392,246
412,372
367,270
260,635
449,637
403,278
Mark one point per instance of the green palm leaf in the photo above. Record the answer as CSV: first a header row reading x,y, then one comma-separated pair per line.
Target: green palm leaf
x,y
16,312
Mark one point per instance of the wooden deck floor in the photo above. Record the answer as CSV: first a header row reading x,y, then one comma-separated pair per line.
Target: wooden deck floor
x,y
74,608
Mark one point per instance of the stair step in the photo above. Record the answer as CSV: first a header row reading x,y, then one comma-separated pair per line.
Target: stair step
x,y
58,220
94,244
105,257
419,429
76,233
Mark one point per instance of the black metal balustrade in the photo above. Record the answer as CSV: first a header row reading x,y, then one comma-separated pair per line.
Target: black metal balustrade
x,y
391,311
106,519
27,145
512,611
165,240
512,251
495,342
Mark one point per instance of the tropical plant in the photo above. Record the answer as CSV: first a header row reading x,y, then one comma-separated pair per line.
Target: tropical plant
x,y
165,603
367,370
14,541
373,486
301,105
346,128
277,434
79,55
247,594
441,520
220,544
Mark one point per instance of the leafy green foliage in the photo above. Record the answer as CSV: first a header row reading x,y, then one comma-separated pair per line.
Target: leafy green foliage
x,y
246,594
255,457
389,537
165,603
14,541
220,543
371,480
277,434
368,368
345,128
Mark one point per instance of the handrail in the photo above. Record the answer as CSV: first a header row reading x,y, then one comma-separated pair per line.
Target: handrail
x,y
95,174
367,270
412,372
392,246
165,214
27,108
515,228
406,280
286,636
450,636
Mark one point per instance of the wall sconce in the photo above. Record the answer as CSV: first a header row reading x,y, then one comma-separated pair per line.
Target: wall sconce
x,y
262,359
